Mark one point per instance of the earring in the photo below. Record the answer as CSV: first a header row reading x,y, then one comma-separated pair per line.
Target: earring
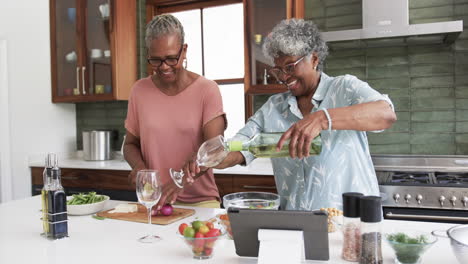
x,y
315,67
185,63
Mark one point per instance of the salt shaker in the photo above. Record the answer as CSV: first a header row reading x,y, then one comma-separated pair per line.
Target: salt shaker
x,y
351,226
371,230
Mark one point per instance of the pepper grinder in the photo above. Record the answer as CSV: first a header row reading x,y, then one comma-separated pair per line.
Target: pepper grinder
x,y
371,230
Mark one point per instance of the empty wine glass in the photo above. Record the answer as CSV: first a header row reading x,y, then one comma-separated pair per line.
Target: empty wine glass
x,y
210,154
148,189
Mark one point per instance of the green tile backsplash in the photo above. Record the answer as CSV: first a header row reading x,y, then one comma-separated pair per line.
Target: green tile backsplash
x,y
428,84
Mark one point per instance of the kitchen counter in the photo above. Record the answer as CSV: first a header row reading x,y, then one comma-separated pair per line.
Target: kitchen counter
x,y
113,241
75,161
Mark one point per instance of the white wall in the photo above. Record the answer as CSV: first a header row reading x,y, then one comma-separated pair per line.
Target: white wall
x,y
36,126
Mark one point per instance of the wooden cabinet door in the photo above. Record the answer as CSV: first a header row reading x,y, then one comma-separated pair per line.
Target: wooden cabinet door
x,y
253,183
102,36
88,179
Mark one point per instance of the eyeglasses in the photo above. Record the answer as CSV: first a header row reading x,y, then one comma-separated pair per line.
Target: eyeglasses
x,y
169,61
288,69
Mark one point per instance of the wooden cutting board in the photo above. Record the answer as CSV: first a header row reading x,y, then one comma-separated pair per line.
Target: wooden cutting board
x,y
142,216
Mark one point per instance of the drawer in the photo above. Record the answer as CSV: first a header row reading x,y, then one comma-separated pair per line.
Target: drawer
x,y
254,183
85,178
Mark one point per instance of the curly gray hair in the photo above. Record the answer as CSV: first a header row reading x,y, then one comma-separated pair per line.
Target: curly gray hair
x,y
162,25
295,37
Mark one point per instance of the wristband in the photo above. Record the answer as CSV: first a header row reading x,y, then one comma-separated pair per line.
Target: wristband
x,y
328,118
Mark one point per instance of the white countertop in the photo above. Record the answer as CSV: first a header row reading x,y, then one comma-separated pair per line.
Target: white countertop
x,y
113,241
75,161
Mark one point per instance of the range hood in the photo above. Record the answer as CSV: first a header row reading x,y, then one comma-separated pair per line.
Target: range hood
x,y
390,19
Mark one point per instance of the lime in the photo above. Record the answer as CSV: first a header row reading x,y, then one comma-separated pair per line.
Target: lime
x,y
197,224
189,232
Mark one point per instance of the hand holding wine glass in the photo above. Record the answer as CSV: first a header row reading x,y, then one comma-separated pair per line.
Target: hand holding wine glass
x,y
148,189
210,154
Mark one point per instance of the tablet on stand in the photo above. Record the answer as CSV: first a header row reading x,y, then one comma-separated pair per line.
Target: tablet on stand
x,y
246,223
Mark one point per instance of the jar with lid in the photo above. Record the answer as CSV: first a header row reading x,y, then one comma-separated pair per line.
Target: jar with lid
x,y
371,230
351,226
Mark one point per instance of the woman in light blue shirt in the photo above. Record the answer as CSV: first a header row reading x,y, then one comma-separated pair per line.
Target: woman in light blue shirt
x,y
341,109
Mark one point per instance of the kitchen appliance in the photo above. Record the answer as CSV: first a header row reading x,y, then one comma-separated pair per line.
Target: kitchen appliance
x,y
423,188
390,19
97,144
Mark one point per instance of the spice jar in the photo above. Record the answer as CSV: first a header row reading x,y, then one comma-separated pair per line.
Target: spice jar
x,y
371,230
351,227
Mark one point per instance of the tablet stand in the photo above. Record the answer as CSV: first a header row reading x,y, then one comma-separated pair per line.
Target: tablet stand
x,y
280,246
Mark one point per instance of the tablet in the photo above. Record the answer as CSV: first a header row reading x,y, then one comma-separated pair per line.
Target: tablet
x,y
246,222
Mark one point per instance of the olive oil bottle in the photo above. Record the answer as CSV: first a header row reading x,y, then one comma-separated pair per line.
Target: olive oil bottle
x,y
57,207
47,179
263,145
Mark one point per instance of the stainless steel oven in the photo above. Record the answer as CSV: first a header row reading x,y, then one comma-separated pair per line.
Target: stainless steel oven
x,y
423,188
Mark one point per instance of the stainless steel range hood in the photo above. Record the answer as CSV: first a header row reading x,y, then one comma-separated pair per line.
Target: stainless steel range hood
x,y
390,19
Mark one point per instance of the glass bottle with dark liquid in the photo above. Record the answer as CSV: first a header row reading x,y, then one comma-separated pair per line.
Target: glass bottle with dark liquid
x,y
57,207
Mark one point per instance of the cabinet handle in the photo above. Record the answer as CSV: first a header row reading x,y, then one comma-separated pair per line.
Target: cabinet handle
x,y
258,187
83,79
70,178
78,78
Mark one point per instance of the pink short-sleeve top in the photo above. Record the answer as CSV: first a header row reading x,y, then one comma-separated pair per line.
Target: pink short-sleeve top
x,y
170,129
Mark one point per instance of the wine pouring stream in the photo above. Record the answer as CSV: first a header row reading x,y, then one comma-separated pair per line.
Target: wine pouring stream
x,y
210,154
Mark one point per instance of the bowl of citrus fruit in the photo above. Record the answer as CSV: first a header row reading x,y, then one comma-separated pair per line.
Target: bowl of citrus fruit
x,y
201,237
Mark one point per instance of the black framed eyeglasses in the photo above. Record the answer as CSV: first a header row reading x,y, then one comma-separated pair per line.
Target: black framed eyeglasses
x,y
288,69
169,61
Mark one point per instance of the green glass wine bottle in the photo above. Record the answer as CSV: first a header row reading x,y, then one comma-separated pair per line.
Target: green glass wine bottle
x,y
263,145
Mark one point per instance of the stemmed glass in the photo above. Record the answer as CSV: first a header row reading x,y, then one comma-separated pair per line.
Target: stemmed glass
x,y
210,154
148,189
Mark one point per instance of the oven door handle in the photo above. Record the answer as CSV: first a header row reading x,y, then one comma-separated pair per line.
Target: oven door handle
x,y
391,215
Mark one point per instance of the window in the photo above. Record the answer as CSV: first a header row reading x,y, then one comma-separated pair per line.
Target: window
x,y
215,39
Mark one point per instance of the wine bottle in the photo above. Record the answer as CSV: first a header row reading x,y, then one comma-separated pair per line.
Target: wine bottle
x,y
263,145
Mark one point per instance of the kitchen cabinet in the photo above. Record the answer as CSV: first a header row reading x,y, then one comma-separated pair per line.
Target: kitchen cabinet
x,y
260,18
230,183
93,49
115,184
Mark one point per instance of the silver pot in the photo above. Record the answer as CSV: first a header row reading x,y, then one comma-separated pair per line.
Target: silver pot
x,y
458,240
97,145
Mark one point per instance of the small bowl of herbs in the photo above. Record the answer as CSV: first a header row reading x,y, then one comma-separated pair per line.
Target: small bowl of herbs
x,y
86,203
409,245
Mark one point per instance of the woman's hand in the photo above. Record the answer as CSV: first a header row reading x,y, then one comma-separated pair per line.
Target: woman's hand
x,y
170,191
302,133
191,169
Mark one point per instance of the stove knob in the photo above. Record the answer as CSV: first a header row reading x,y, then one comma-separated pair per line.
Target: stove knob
x,y
419,198
396,197
452,200
407,197
441,200
464,201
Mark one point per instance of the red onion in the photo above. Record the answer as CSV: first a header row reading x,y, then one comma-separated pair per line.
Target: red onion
x,y
166,210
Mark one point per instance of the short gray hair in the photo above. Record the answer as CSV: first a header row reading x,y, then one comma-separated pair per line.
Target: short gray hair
x,y
162,25
295,37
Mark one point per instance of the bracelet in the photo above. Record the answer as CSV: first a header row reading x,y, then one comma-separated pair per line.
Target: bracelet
x,y
328,118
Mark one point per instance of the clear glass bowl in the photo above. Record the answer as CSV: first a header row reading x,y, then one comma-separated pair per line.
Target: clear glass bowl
x,y
252,200
202,248
409,245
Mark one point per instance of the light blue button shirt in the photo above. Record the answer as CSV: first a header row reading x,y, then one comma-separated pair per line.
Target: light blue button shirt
x,y
344,164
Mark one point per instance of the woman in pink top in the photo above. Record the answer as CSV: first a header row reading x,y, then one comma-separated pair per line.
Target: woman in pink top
x,y
170,114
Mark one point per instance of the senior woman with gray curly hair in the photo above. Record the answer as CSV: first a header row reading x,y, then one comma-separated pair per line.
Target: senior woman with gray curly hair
x,y
340,109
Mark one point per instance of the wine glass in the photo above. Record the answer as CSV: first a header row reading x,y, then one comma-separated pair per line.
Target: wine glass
x,y
210,154
148,189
